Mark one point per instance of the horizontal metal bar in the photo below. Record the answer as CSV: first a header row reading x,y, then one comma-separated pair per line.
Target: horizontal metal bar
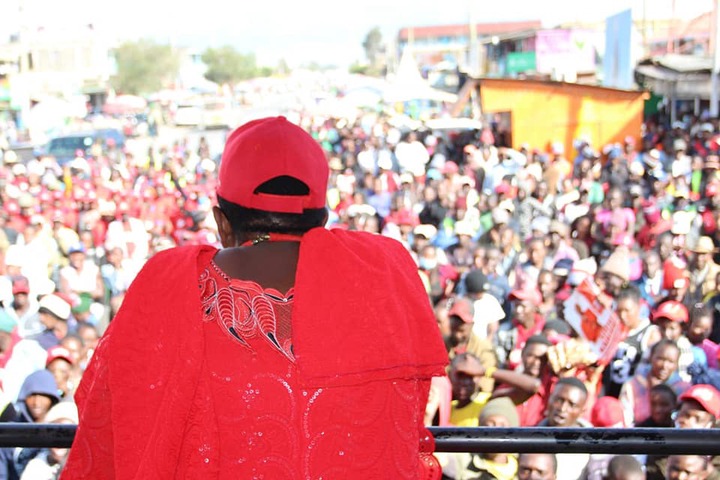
x,y
659,441
36,435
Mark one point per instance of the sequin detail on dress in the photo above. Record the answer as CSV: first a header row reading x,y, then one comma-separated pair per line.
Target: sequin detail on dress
x,y
244,310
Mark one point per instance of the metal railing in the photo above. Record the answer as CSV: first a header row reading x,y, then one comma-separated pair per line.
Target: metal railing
x,y
659,441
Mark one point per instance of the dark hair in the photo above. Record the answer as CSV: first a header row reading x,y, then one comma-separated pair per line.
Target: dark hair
x,y
666,389
700,310
664,342
553,459
629,292
461,357
251,220
572,382
540,339
623,464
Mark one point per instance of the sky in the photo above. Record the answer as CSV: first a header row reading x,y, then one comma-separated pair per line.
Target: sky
x,y
322,31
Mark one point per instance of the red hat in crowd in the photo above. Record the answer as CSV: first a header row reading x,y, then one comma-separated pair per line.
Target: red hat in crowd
x,y
607,413
58,352
265,149
527,292
675,274
450,168
706,395
20,284
463,309
406,217
673,311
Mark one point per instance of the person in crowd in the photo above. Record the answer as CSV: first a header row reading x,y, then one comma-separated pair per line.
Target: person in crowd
x,y
624,467
698,408
663,401
272,354
24,308
698,467
526,322
498,412
564,409
48,463
672,319
641,334
468,401
530,386
662,369
463,339
698,333
537,466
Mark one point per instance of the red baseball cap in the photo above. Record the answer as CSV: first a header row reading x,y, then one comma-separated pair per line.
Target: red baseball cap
x,y
673,311
705,395
20,284
265,149
527,292
463,309
57,352
607,413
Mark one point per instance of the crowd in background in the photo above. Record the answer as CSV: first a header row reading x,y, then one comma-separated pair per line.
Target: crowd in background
x,y
502,237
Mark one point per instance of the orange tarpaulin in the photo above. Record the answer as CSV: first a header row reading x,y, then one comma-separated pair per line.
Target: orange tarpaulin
x,y
543,112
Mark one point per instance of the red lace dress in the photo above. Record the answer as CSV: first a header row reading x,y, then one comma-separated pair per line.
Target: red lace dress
x,y
252,420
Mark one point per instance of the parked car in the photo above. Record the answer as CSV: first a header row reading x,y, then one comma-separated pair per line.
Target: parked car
x,y
65,147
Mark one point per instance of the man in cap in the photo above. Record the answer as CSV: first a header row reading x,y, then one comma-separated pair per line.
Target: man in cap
x,y
526,322
698,408
54,312
24,308
463,338
703,270
672,318
309,295
487,308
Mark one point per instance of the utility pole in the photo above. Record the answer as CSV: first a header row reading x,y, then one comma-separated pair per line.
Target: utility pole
x,y
716,61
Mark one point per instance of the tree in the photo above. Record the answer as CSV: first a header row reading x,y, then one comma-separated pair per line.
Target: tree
x,y
144,66
374,48
227,65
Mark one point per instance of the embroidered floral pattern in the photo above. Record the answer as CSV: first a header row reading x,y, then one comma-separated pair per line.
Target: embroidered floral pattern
x,y
245,311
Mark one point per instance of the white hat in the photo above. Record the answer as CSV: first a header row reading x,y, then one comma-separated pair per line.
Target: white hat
x,y
707,127
587,267
56,305
360,209
62,411
500,216
464,228
384,160
681,222
507,204
540,224
405,177
426,230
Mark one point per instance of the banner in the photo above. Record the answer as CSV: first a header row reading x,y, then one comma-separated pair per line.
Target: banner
x,y
593,321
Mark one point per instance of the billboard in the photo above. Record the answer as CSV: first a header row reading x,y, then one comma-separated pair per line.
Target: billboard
x,y
564,52
617,68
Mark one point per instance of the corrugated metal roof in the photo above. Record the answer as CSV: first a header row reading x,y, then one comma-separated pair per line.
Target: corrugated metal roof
x,y
681,63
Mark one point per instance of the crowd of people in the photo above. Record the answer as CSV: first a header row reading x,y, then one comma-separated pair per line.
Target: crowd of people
x,y
504,238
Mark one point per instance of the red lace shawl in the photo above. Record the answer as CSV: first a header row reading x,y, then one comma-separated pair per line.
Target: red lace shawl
x,y
362,328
